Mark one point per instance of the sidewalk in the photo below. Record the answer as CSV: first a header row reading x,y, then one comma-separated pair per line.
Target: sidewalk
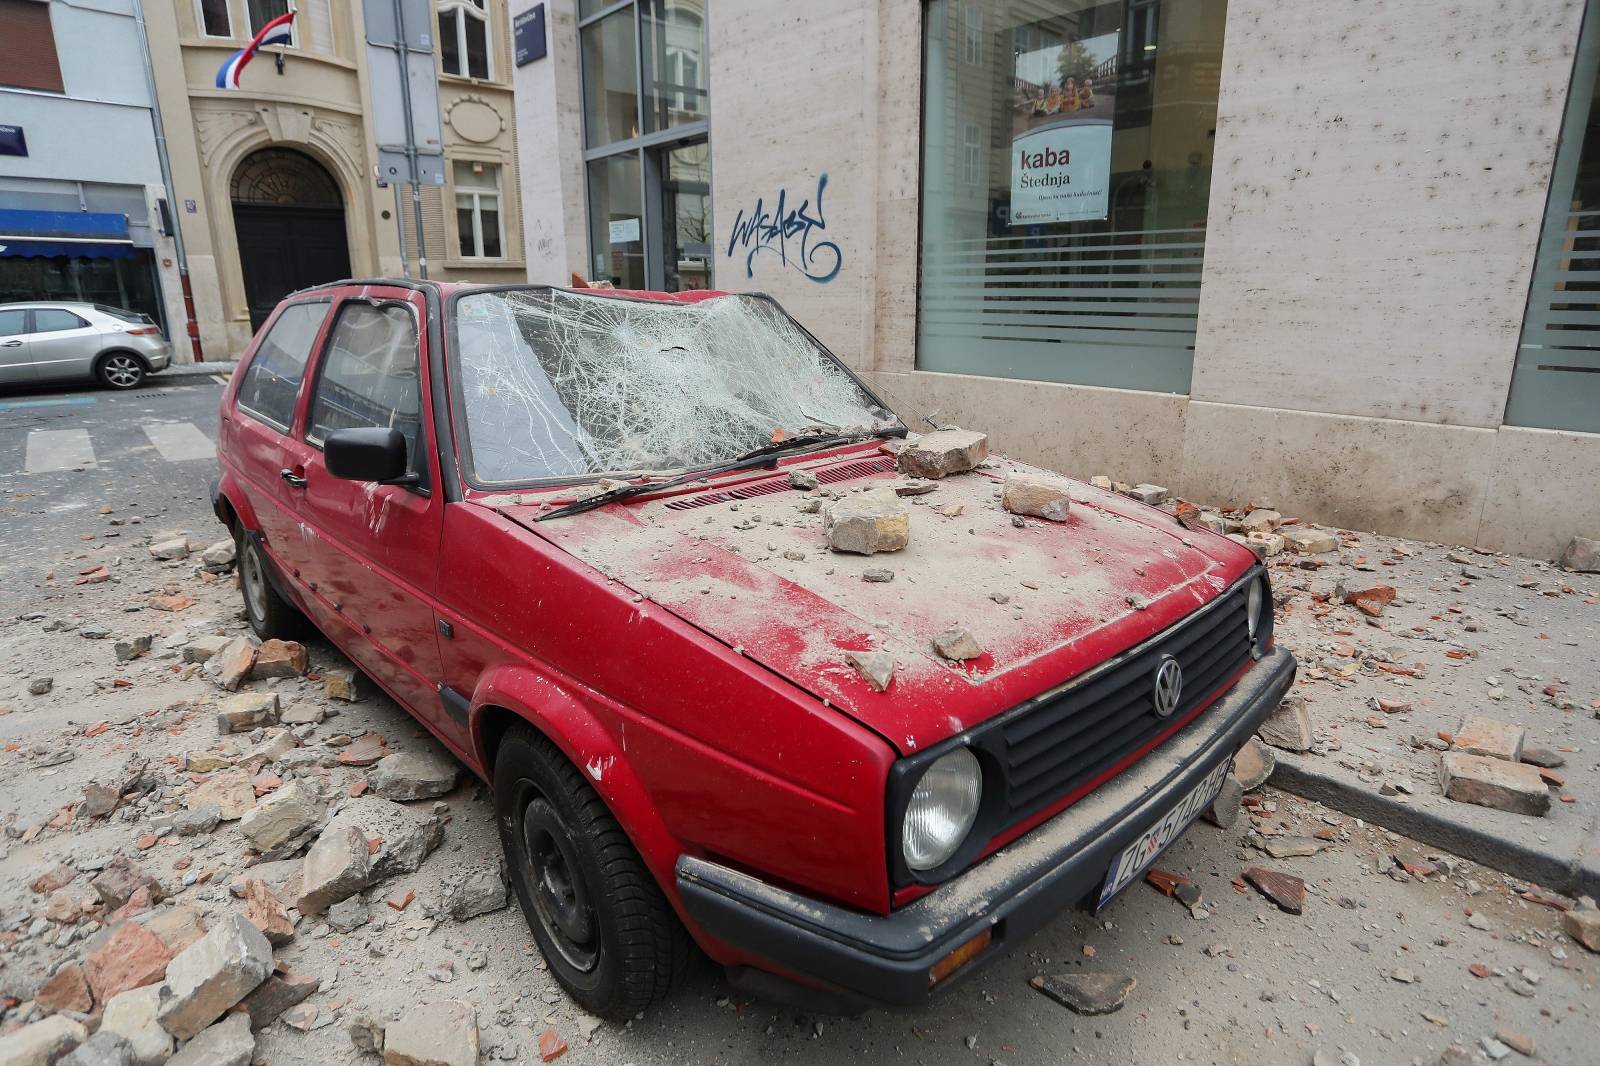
x,y
1468,634
194,370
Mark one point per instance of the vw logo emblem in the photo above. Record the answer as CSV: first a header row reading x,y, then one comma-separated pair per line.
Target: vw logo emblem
x,y
1168,687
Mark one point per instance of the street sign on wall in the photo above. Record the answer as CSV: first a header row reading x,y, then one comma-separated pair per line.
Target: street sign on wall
x,y
527,35
13,141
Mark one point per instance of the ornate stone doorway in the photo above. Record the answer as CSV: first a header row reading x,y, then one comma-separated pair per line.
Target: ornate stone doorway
x,y
288,218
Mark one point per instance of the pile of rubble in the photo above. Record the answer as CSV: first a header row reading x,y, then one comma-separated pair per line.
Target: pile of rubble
x,y
173,920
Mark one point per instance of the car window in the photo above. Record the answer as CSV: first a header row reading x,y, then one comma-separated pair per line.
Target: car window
x,y
124,314
53,320
369,375
272,380
13,323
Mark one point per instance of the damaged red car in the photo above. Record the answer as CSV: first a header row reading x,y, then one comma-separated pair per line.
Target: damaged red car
x,y
590,540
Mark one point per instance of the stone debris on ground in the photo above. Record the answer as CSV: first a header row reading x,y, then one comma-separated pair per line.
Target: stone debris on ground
x,y
1087,993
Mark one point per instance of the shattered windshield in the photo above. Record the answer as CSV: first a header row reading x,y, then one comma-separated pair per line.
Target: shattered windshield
x,y
556,384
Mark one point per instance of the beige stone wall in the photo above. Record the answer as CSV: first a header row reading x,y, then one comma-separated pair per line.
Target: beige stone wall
x,y
318,107
1381,174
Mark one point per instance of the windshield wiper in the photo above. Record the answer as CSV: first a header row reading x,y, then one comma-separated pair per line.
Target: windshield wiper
x,y
761,456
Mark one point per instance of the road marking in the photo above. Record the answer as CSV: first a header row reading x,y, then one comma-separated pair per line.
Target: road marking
x,y
219,379
58,449
179,441
59,402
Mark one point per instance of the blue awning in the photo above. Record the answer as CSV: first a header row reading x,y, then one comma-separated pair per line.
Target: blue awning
x,y
80,234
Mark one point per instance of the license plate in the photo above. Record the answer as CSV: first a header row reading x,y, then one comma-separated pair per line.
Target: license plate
x,y
1142,852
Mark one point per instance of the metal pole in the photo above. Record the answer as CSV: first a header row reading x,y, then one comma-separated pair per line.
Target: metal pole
x,y
402,50
191,326
400,225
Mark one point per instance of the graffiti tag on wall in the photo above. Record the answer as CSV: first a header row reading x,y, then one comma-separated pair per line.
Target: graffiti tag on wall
x,y
790,231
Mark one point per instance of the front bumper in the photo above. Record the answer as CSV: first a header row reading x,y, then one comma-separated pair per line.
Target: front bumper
x,y
887,959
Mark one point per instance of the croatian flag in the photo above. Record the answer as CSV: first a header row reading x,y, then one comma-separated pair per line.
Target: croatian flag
x,y
278,31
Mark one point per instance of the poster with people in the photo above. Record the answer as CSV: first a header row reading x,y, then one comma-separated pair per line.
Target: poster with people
x,y
1061,126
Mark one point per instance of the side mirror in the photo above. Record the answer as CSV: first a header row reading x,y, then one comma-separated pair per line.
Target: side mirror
x,y
368,454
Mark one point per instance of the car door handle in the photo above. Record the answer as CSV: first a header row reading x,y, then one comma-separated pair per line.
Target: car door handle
x,y
11,344
292,478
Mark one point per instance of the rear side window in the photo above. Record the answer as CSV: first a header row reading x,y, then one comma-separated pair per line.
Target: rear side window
x,y
272,380
369,375
13,323
53,320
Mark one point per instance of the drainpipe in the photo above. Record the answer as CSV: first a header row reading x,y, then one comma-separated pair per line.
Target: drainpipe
x,y
191,326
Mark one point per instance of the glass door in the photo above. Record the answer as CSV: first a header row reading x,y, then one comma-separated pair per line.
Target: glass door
x,y
679,181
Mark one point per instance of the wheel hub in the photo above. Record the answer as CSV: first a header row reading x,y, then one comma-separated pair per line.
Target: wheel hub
x,y
560,896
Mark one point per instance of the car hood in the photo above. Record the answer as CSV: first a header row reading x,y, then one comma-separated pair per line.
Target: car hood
x,y
748,563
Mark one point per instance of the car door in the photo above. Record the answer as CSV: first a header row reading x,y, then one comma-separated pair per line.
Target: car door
x,y
16,366
375,547
257,428
62,344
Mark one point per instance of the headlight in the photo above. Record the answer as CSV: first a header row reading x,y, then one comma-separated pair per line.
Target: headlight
x,y
942,809
1259,608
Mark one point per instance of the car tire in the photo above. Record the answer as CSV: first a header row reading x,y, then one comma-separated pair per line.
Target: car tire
x,y
270,615
606,931
120,370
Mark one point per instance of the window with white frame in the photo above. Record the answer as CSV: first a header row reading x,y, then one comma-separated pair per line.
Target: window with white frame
x,y
215,18
464,38
262,12
971,153
478,210
973,45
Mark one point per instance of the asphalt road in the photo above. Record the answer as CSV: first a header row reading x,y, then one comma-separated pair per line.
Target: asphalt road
x,y
1377,969
64,454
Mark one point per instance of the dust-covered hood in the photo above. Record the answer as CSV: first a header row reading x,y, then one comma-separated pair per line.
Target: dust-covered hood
x,y
1045,600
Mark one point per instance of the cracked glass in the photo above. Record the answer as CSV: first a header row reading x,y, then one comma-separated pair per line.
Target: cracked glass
x,y
560,385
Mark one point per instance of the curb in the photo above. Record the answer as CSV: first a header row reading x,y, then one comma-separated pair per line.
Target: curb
x,y
1575,876
187,370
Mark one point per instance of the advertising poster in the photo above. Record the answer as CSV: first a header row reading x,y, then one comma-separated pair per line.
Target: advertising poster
x,y
1061,132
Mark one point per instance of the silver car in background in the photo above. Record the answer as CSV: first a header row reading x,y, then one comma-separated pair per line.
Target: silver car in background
x,y
62,341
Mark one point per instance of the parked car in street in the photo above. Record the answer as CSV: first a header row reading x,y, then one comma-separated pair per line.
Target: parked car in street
x,y
65,341
579,535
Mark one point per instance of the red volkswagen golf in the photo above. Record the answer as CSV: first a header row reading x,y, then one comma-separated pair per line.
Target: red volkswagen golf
x,y
584,537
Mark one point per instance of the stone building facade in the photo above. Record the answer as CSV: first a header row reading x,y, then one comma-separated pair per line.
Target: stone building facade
x,y
278,181
1329,254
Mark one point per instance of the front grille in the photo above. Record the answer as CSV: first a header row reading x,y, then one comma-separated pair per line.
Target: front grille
x,y
1066,739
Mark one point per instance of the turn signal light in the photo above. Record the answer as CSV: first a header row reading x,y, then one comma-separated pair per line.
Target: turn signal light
x,y
959,957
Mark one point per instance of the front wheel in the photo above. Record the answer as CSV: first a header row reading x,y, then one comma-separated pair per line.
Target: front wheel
x,y
270,615
606,931
119,370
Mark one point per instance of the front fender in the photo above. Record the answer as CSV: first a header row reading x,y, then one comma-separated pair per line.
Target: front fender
x,y
573,725
226,491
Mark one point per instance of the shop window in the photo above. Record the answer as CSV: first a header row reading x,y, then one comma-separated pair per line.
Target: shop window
x,y
464,38
477,187
1066,170
645,109
215,19
1556,381
28,47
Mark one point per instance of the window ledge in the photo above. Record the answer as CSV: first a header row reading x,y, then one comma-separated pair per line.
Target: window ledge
x,y
484,264
481,83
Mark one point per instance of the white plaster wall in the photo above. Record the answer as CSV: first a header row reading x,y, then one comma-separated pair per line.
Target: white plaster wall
x,y
1381,172
792,92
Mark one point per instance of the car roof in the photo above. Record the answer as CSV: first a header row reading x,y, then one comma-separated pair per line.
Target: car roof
x,y
76,305
450,288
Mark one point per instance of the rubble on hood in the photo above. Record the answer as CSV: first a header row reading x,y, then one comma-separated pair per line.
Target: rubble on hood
x,y
943,452
865,523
